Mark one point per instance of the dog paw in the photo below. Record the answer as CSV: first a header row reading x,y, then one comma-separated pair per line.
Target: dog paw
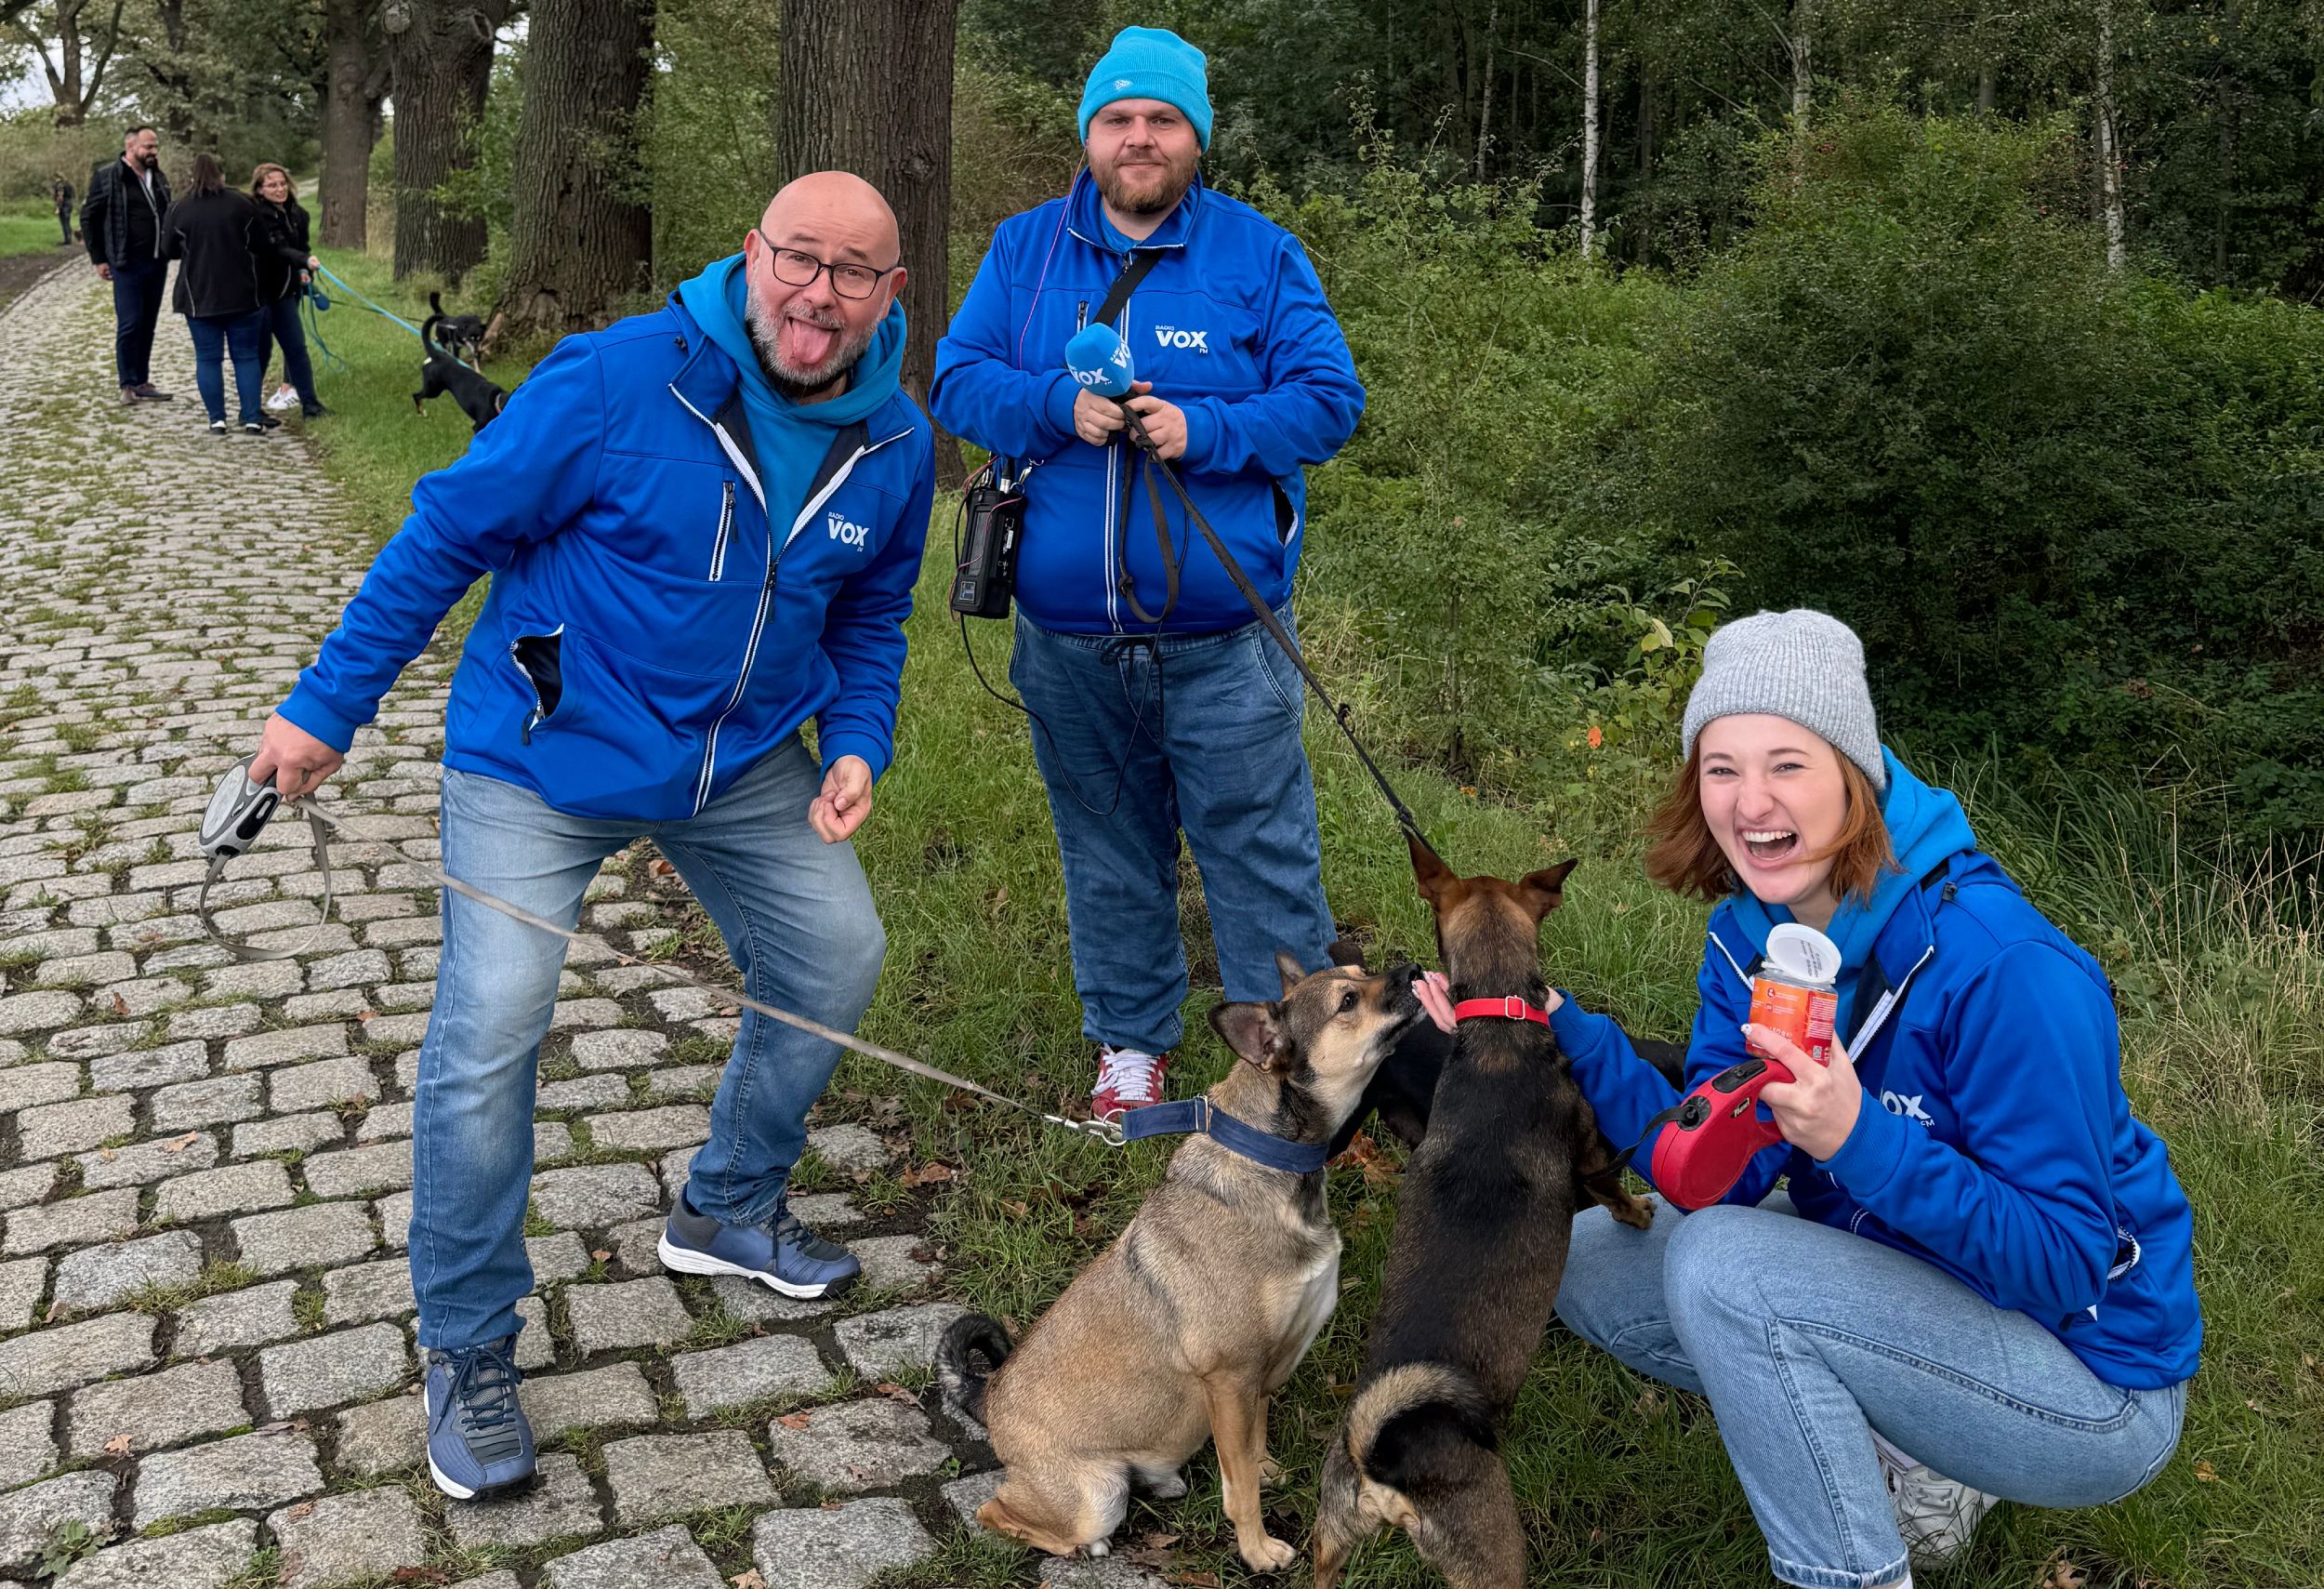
x,y
1270,1472
1272,1555
1096,1548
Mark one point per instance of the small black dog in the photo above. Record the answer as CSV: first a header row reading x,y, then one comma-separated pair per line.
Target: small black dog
x,y
447,339
1403,1089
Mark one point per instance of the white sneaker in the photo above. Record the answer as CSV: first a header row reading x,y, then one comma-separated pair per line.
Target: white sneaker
x,y
1935,1515
284,398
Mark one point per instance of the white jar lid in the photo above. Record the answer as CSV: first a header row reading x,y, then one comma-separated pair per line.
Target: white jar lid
x,y
1799,951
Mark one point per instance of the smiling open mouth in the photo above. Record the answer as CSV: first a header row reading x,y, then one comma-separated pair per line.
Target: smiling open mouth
x,y
1771,846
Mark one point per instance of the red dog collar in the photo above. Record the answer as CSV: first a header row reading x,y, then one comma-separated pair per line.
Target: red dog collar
x,y
1500,1009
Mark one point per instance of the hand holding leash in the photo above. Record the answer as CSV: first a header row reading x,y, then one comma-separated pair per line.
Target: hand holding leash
x,y
295,761
1818,1108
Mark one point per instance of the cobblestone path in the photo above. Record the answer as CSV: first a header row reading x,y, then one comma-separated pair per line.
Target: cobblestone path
x,y
207,1374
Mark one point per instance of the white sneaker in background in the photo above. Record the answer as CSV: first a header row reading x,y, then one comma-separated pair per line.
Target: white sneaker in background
x,y
284,398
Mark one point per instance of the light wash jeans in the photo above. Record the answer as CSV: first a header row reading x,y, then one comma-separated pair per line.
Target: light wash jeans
x,y
1211,740
1806,1339
798,917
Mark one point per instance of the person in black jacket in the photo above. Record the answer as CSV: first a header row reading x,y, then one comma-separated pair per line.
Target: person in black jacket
x,y
284,269
214,230
121,223
61,190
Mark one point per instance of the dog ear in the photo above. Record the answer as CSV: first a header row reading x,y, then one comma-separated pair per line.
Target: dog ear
x,y
1346,952
1251,1030
1289,969
1544,890
1436,880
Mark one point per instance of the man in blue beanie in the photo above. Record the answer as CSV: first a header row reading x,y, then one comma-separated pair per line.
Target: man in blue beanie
x,y
1159,703
703,526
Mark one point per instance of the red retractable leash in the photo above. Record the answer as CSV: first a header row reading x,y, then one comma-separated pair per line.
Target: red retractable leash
x,y
1702,1143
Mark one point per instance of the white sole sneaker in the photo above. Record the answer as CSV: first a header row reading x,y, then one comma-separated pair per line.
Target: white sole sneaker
x,y
428,1419
684,1260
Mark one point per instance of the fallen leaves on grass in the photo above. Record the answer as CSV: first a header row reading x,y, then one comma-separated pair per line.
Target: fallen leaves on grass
x,y
928,1175
2206,1474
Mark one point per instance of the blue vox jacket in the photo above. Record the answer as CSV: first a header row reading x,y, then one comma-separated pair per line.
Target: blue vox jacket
x,y
1230,324
1995,1140
657,619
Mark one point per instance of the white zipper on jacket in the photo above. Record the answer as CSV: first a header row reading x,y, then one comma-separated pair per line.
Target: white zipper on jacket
x,y
726,529
766,586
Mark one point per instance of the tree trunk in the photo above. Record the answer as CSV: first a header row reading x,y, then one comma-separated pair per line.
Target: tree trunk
x,y
1984,88
2109,138
867,88
1484,115
74,79
579,241
354,81
1801,42
442,55
1590,130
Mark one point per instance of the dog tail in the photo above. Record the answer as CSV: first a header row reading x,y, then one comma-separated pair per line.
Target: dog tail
x,y
1419,1422
963,1382
435,318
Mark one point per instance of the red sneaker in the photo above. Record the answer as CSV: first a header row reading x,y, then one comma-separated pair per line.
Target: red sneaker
x,y
1127,1079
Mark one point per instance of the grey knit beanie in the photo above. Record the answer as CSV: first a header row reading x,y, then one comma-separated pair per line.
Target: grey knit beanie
x,y
1802,665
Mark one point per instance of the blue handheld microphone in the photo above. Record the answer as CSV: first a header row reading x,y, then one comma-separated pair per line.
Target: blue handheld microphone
x,y
1100,362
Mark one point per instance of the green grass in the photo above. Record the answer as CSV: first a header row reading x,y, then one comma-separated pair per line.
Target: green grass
x,y
2222,993
29,226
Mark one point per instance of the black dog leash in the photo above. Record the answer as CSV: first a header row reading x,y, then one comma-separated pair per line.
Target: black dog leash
x,y
1337,710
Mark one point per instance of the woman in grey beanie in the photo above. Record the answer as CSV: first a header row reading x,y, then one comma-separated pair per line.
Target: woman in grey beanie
x,y
1982,1258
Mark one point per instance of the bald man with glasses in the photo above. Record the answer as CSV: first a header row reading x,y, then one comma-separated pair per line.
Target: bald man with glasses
x,y
703,526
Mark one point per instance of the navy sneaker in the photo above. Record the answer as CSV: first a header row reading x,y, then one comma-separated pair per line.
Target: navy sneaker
x,y
477,1436
783,1254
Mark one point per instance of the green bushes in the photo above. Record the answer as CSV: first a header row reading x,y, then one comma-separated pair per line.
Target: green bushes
x,y
2068,508
2077,514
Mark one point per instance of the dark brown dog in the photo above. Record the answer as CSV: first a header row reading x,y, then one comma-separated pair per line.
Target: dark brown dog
x,y
1512,1148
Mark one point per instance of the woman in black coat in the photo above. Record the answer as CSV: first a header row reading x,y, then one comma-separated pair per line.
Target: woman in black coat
x,y
212,231
284,269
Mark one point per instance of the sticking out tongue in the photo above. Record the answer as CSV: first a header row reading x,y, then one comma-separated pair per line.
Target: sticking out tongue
x,y
807,345
1431,989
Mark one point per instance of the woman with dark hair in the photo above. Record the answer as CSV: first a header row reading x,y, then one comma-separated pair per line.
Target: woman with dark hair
x,y
284,269
212,231
1978,1284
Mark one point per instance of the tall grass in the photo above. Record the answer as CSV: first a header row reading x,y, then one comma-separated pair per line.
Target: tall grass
x,y
29,226
2218,960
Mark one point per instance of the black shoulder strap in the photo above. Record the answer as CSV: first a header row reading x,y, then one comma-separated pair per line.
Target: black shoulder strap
x,y
1141,261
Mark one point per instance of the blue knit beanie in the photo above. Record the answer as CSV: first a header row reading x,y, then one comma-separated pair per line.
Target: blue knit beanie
x,y
1150,63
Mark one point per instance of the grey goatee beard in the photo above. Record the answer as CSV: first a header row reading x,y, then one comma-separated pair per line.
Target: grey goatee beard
x,y
788,378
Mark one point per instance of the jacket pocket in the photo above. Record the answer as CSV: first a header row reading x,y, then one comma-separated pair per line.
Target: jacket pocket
x,y
725,535
540,658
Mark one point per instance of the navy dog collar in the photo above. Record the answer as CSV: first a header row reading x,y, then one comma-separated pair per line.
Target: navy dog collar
x,y
1196,1115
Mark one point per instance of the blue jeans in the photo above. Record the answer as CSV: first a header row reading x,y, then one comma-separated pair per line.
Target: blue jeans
x,y
215,338
136,311
798,917
1209,734
279,324
1806,1339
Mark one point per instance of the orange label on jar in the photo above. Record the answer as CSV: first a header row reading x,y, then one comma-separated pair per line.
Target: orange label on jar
x,y
1804,1015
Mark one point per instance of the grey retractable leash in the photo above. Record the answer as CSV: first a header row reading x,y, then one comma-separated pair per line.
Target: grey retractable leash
x,y
238,813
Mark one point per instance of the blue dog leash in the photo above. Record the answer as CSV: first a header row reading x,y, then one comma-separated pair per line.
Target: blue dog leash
x,y
390,314
311,306
1197,1116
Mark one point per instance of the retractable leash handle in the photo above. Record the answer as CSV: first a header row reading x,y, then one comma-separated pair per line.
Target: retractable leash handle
x,y
1701,1146
238,812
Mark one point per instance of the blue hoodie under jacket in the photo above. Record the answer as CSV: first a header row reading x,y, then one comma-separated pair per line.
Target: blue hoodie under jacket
x,y
1995,1140
675,589
1230,324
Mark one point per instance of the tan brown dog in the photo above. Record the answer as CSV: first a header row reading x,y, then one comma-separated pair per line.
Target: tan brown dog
x,y
1481,1228
1202,1307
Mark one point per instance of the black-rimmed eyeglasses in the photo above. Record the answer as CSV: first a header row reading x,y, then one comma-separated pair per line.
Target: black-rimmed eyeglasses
x,y
794,269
